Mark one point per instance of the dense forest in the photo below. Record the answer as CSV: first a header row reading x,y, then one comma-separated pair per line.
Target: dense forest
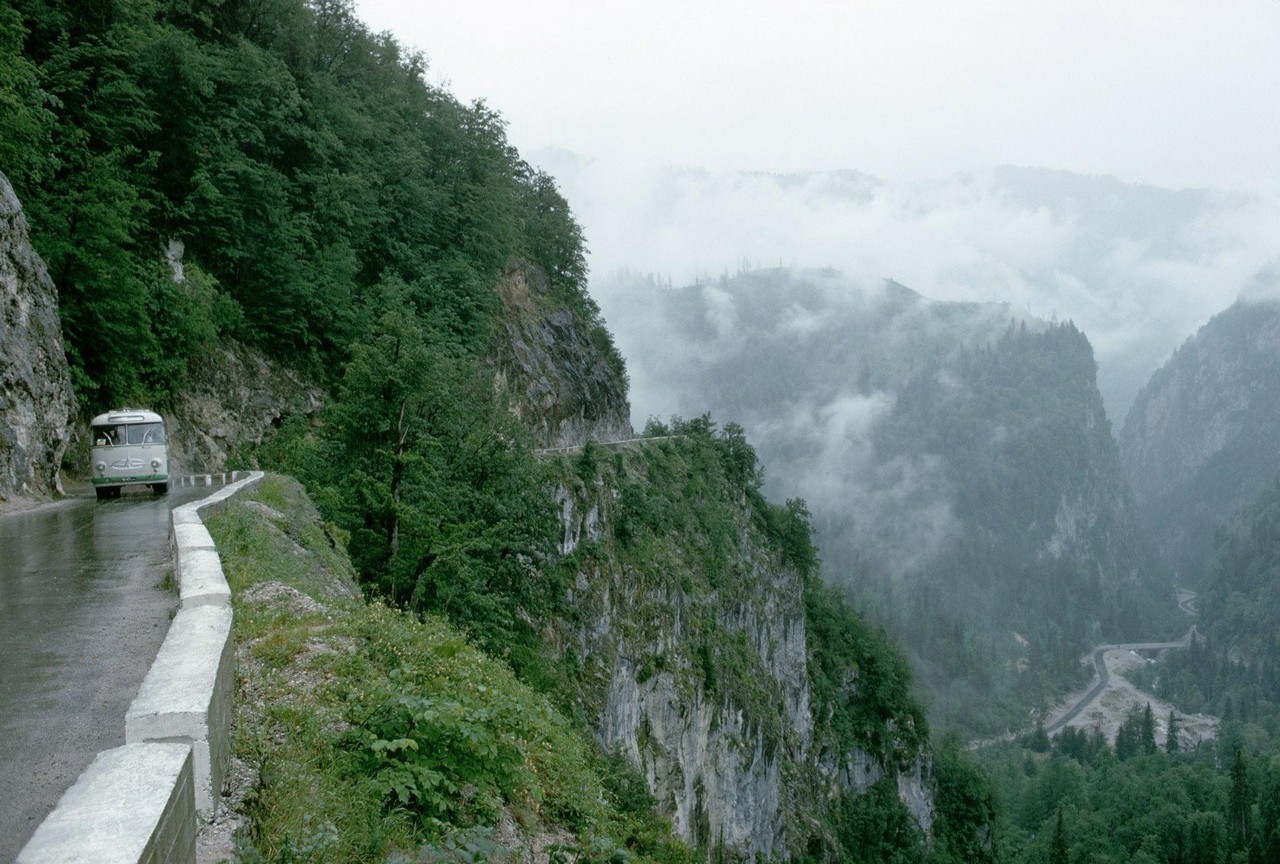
x,y
302,161
1148,796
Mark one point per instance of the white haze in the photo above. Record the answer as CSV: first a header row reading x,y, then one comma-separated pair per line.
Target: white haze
x,y
1174,93
1138,269
809,363
1177,93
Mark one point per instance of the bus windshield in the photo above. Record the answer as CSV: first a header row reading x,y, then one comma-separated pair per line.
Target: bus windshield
x,y
128,433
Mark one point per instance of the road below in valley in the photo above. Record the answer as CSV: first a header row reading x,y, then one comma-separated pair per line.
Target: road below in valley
x,y
1090,699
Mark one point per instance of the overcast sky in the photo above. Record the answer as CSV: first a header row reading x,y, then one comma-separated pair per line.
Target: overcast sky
x,y
646,110
1175,93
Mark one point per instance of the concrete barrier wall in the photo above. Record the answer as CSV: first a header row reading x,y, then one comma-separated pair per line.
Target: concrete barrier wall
x,y
132,804
141,802
187,696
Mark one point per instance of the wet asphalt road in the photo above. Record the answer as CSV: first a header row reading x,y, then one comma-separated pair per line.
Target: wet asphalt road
x,y
83,610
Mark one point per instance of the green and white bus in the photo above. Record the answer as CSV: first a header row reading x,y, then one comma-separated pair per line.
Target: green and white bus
x,y
129,447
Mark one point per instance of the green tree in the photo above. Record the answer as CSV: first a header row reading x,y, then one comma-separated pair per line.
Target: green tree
x,y
1059,851
1238,803
1203,838
966,806
26,120
1147,731
1039,742
436,483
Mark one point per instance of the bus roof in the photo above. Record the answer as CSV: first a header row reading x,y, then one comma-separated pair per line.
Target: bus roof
x,y
127,415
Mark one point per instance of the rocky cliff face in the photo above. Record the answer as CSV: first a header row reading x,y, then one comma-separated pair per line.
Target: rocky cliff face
x,y
716,768
236,399
566,378
36,403
1199,442
700,666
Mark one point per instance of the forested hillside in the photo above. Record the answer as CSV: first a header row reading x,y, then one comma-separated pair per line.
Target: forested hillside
x,y
302,161
1234,669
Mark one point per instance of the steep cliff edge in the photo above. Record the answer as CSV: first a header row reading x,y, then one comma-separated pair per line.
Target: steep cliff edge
x,y
693,605
558,362
36,403
1199,442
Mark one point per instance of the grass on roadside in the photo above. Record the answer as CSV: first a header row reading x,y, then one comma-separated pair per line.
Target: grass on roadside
x,y
374,735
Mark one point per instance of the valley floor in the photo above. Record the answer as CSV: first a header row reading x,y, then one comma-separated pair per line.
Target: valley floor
x,y
1110,698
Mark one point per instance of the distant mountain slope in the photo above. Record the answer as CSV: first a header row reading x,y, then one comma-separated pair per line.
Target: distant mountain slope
x,y
959,464
1200,441
1240,601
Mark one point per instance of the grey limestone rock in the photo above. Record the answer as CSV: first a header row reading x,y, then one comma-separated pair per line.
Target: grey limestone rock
x,y
36,402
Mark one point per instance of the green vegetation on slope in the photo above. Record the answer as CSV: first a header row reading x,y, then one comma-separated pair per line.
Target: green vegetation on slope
x,y
1133,800
376,735
696,550
301,159
1233,669
691,526
1239,603
434,485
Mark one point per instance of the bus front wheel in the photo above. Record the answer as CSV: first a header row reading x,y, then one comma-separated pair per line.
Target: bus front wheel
x,y
160,488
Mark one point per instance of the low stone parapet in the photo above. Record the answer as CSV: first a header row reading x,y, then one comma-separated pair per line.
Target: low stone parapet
x,y
135,803
142,802
186,696
200,579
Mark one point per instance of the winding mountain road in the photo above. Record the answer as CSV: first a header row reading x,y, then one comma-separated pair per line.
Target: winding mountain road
x,y
1091,696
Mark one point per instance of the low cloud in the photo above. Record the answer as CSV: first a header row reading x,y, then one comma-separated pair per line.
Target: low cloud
x,y
1138,269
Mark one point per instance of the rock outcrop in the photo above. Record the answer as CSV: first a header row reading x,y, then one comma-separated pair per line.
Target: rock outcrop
x,y
566,378
36,402
701,674
235,400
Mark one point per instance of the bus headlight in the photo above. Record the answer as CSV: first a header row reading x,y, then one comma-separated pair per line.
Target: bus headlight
x,y
102,467
155,464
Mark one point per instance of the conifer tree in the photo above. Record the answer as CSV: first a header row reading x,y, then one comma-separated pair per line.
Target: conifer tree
x,y
1147,731
1171,739
1058,852
1238,804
